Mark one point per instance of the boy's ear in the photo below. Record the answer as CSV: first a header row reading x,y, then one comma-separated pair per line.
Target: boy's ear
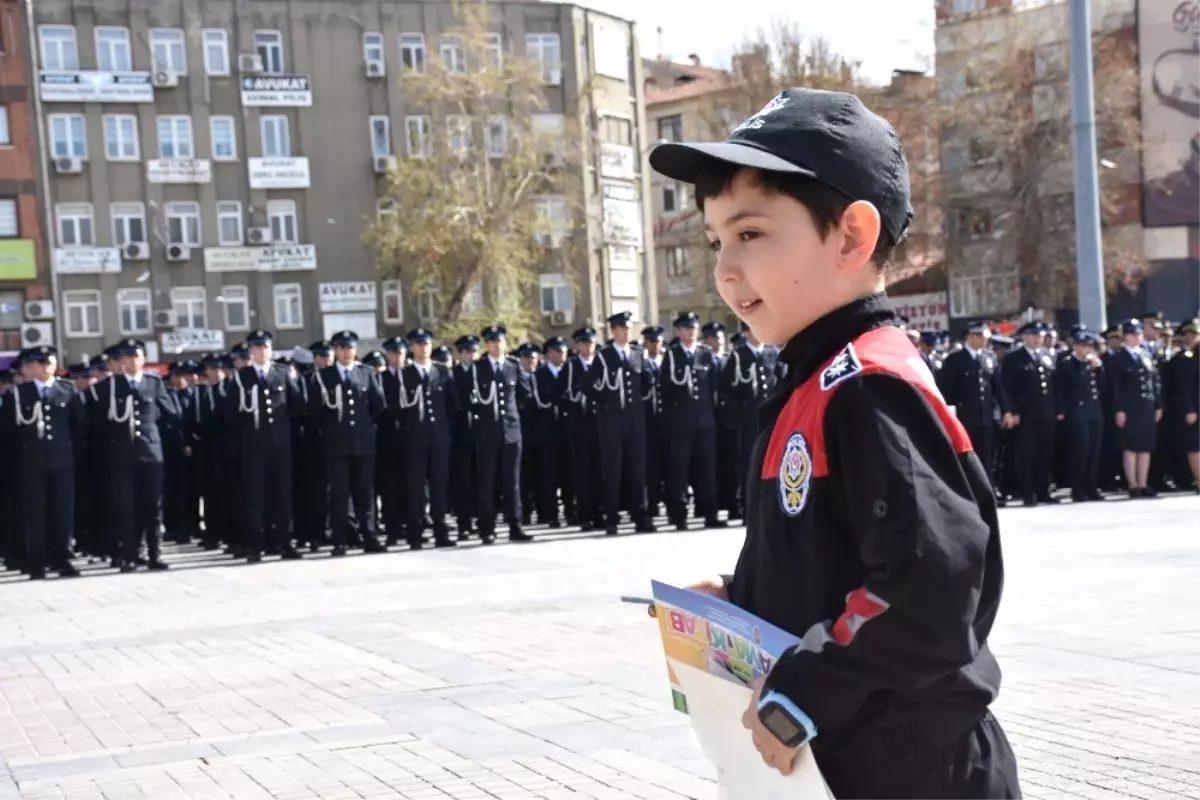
x,y
860,226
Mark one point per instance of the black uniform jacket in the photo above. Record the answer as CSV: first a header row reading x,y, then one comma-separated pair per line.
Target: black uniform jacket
x,y
688,383
972,385
345,412
618,385
495,399
871,534
44,430
426,405
128,421
261,410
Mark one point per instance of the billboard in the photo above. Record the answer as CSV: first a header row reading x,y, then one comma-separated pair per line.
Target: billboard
x,y
1169,47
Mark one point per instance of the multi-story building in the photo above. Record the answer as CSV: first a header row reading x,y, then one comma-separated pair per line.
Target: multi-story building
x,y
214,165
26,299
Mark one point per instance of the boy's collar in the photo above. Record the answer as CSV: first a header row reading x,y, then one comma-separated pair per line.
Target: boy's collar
x,y
812,347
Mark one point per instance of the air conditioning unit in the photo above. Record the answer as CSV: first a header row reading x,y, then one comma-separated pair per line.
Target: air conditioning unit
x,y
68,166
250,62
164,318
36,333
384,164
164,79
178,252
39,310
560,317
375,68
136,251
259,235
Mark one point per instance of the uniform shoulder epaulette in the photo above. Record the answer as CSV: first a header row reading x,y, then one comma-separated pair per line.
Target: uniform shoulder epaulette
x,y
513,359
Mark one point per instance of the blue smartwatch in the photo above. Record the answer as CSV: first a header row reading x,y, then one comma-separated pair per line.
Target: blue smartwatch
x,y
784,719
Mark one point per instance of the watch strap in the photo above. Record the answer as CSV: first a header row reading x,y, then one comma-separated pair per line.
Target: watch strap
x,y
773,697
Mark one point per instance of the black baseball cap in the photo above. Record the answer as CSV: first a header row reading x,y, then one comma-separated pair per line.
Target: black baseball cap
x,y
830,137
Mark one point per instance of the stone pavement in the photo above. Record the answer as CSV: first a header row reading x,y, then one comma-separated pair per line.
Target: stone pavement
x,y
513,672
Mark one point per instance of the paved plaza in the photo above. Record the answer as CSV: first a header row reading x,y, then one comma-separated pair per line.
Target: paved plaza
x,y
514,672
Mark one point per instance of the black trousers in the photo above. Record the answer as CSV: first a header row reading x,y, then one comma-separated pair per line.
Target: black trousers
x,y
983,439
585,470
313,488
1086,436
463,473
728,448
692,458
351,479
532,467
181,497
1034,447
47,515
658,464
391,485
622,443
426,465
497,459
267,478
136,490
555,477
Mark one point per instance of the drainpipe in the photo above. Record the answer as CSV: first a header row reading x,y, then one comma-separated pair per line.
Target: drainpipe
x,y
44,174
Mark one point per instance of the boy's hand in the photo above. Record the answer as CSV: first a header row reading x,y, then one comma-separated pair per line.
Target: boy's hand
x,y
712,588
774,753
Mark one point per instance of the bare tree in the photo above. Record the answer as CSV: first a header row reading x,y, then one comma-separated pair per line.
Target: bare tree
x,y
483,197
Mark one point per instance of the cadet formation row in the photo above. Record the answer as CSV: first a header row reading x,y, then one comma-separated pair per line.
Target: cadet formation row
x,y
259,455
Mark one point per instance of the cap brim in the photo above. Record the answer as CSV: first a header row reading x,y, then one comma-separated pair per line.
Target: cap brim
x,y
686,161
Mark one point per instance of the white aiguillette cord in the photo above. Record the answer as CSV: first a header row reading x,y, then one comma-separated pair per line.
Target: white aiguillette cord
x,y
336,404
616,384
243,408
116,416
417,398
36,417
491,399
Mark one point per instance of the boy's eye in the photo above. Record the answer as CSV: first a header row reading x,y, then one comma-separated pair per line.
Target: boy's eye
x,y
746,236
714,245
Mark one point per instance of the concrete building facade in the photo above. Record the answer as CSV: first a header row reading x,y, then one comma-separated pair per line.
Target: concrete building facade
x,y
213,164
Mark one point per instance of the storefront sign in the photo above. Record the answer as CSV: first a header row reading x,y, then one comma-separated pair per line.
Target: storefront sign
x,y
193,341
278,173
269,258
18,260
925,312
96,87
364,324
87,260
179,170
348,296
622,214
290,91
616,161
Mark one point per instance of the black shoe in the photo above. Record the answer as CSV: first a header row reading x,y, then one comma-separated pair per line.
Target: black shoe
x,y
254,558
140,561
37,574
1029,502
1094,497
372,545
611,530
1048,500
67,570
127,568
554,524
338,552
681,526
444,542
715,523
519,536
314,547
487,538
1149,493
646,527
416,544
291,554
1134,494
210,545
156,565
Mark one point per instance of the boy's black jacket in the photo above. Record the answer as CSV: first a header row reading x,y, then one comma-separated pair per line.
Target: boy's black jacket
x,y
872,533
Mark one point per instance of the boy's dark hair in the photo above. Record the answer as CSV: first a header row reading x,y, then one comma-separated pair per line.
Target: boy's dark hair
x,y
825,204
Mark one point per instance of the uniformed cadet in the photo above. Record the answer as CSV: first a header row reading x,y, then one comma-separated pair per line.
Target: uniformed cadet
x,y
428,399
43,418
1028,376
258,411
80,377
1112,469
347,404
578,414
969,380
10,534
1080,382
391,485
1185,383
98,481
657,439
1163,466
927,343
375,360
532,444
128,408
463,491
749,375
617,378
442,355
312,485
206,426
179,482
687,380
1137,405
497,391
551,432
713,334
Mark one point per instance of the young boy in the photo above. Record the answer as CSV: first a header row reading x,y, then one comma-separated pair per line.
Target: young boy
x,y
871,526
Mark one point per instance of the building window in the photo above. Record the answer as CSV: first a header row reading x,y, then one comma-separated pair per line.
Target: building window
x,y
183,224
229,223
545,49
393,303
112,50
289,310
128,223
373,47
282,217
555,293
497,136
133,308
454,58
216,51
676,259
75,227
418,140
428,302
493,49
175,137
554,220
59,51
616,130
269,45
412,52
674,197
671,128
5,133
276,142
9,220
11,310
458,130
169,50
971,224
235,300
67,136
82,313
121,137
385,207
189,306
381,137
224,141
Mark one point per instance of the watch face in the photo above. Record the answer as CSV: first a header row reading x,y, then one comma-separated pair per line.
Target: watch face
x,y
782,726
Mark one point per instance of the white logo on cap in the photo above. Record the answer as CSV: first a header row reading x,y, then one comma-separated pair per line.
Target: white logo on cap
x,y
756,120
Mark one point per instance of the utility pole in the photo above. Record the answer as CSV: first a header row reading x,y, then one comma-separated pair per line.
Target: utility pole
x,y
1089,259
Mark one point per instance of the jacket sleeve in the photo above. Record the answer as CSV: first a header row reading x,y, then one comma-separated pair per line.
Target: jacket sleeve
x,y
375,399
168,409
1118,378
905,499
999,390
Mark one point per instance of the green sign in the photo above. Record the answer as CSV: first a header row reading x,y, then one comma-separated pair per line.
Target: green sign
x,y
18,260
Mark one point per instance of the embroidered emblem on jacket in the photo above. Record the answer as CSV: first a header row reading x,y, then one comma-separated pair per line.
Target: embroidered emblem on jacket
x,y
795,474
